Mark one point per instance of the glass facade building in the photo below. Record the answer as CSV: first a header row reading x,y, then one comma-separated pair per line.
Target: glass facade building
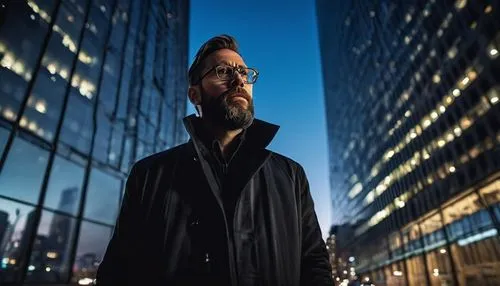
x,y
87,87
412,91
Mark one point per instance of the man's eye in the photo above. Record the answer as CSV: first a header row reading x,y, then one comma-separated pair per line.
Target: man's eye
x,y
225,70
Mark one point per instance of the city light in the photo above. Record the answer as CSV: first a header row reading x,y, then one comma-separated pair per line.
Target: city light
x,y
442,251
41,106
85,281
31,268
435,272
397,273
52,254
436,78
493,52
47,269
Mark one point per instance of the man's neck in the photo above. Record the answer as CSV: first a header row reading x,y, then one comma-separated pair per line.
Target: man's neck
x,y
225,137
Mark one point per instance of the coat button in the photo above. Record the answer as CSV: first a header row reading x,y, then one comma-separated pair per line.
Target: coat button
x,y
207,258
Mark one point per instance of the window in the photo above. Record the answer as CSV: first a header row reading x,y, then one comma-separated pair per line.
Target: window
x,y
50,257
18,53
491,194
109,84
97,26
439,267
91,247
46,100
4,135
116,144
103,197
102,136
416,270
77,127
127,156
124,92
23,161
65,186
16,222
87,70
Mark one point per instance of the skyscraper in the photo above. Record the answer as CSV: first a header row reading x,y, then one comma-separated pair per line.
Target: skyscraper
x,y
411,92
87,87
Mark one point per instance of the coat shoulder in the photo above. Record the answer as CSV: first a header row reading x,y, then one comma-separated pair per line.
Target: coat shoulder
x,y
292,167
161,158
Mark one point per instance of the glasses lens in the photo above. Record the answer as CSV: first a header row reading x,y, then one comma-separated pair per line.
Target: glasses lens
x,y
250,75
224,72
227,73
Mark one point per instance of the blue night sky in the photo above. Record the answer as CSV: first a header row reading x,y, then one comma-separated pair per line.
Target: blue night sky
x,y
280,39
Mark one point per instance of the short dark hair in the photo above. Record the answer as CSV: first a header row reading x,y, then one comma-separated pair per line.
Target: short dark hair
x,y
216,43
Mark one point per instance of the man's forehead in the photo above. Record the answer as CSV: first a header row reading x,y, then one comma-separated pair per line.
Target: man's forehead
x,y
225,56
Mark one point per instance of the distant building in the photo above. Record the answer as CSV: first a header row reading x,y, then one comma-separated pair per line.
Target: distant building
x,y
411,92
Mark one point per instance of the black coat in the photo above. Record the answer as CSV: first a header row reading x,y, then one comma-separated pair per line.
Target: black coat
x,y
173,227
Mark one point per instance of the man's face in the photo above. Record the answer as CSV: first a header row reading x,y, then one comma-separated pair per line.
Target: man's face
x,y
228,103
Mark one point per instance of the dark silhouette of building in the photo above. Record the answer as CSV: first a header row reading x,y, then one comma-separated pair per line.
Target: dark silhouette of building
x,y
411,92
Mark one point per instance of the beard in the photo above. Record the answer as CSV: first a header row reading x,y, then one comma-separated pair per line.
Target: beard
x,y
226,112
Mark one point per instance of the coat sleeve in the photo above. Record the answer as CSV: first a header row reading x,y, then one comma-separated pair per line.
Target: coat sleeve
x,y
116,261
315,265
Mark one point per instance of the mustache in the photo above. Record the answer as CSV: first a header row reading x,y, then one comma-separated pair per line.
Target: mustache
x,y
238,91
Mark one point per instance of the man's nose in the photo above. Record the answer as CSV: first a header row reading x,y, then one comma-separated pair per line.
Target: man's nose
x,y
238,80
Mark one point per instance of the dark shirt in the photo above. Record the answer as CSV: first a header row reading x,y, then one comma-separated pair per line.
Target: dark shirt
x,y
222,167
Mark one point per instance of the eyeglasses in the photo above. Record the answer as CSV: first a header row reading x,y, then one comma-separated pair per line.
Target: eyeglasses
x,y
228,73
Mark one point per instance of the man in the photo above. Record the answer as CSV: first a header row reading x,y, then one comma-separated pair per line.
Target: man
x,y
220,209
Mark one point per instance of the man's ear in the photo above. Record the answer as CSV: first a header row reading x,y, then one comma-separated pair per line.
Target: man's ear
x,y
194,95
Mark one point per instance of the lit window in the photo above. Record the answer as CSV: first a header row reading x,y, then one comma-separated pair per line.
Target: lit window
x,y
492,52
418,129
493,95
408,18
407,40
41,106
460,4
450,137
442,109
448,100
465,123
436,78
426,122
434,115
452,52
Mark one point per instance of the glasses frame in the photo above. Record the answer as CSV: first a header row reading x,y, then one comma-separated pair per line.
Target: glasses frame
x,y
234,69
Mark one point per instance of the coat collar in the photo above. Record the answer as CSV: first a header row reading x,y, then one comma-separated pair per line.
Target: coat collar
x,y
258,136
